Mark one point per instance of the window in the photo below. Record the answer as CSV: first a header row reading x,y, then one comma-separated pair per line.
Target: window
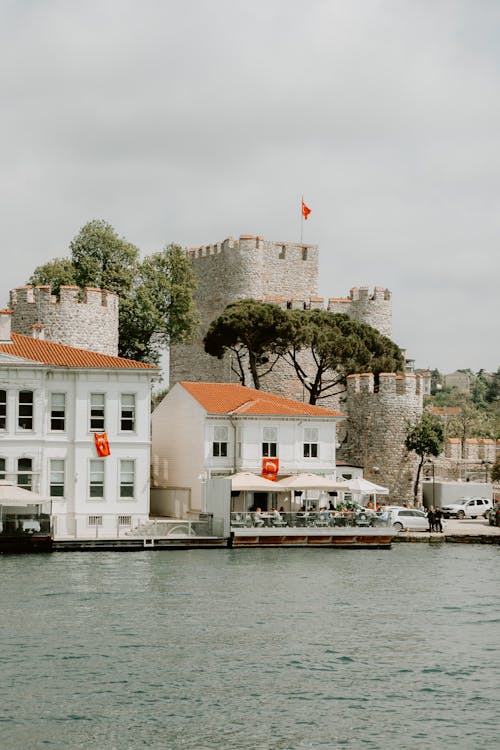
x,y
96,485
310,442
219,447
127,414
25,413
97,412
3,410
2,468
270,442
127,478
124,520
95,520
25,473
57,411
56,477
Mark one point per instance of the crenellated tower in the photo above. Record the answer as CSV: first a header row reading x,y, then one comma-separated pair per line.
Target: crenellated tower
x,y
85,319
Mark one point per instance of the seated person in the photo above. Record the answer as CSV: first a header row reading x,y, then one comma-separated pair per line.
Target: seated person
x,y
257,517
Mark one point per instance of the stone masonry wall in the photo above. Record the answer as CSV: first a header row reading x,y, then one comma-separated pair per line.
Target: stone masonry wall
x,y
91,323
376,428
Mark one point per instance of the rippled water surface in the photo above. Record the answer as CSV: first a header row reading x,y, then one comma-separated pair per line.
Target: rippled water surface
x,y
266,649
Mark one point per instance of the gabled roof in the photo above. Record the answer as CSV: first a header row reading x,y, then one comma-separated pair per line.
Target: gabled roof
x,y
230,398
58,355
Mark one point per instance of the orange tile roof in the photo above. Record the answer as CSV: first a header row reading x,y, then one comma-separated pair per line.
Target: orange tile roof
x,y
230,398
58,355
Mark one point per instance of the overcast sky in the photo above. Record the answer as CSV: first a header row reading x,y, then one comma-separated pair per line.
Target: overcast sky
x,y
193,120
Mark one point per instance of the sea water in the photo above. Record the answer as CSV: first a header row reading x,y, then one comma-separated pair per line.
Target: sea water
x,y
268,649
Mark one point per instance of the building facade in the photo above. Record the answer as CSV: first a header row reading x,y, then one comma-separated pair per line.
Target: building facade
x,y
53,400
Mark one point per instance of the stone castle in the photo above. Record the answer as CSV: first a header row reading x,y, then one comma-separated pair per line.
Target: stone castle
x,y
85,319
287,274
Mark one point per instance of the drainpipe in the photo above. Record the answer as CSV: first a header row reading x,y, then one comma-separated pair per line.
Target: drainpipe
x,y
233,425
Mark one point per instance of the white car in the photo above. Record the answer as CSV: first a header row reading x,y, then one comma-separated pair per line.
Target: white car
x,y
407,519
467,507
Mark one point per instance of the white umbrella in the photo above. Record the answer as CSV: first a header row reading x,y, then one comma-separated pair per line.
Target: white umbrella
x,y
14,496
312,482
360,486
245,481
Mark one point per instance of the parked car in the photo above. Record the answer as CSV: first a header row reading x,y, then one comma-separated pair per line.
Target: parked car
x,y
407,519
467,507
494,515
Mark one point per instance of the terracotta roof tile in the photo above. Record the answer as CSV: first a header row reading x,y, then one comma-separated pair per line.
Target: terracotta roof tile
x,y
58,355
230,398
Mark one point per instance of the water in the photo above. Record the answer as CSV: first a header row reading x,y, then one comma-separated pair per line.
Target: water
x,y
271,649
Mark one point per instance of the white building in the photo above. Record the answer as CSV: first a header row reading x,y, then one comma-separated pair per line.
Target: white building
x,y
53,398
206,430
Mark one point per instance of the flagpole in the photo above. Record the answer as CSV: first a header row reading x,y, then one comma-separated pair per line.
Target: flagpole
x,y
301,218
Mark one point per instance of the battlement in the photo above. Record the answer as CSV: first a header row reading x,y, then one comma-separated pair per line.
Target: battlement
x,y
87,319
389,384
248,242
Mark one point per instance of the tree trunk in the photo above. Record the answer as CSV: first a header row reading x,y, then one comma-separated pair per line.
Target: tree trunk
x,y
417,480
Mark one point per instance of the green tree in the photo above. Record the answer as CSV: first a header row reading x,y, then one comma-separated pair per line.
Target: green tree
x,y
425,438
493,389
56,273
337,346
156,295
495,470
249,330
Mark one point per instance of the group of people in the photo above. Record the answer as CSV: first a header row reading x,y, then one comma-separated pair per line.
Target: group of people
x,y
434,517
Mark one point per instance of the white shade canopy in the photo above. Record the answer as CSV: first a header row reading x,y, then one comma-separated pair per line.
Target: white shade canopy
x,y
360,486
313,482
14,496
245,481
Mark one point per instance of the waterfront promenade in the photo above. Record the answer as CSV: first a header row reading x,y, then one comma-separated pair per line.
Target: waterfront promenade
x,y
469,530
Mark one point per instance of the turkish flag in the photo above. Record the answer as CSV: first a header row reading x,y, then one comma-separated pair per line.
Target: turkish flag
x,y
270,468
101,444
305,211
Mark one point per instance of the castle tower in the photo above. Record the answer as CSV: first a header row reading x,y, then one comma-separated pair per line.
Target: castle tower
x,y
376,428
249,267
90,323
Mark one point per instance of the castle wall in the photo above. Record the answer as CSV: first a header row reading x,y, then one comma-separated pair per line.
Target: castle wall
x,y
376,428
90,323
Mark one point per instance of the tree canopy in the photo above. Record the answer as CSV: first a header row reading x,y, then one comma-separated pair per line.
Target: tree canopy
x,y
250,330
425,438
156,295
258,334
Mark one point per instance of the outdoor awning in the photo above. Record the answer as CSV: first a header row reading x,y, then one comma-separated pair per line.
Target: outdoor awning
x,y
313,482
14,496
360,486
245,481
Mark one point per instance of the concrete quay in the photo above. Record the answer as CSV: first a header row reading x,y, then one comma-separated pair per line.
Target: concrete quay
x,y
468,531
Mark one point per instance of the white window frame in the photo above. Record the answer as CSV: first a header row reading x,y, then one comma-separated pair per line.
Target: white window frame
x,y
30,416
130,408
57,475
96,470
269,442
3,467
3,410
220,442
94,521
97,404
310,448
127,478
25,472
57,409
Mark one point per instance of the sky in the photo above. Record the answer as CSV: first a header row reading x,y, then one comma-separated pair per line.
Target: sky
x,y
192,120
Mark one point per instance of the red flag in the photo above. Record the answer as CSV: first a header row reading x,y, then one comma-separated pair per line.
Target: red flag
x,y
101,444
270,468
305,211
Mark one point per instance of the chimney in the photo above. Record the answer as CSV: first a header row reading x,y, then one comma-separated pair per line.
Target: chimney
x,y
5,326
38,331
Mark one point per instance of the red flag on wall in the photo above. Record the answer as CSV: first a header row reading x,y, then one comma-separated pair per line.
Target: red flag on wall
x,y
270,468
305,210
101,444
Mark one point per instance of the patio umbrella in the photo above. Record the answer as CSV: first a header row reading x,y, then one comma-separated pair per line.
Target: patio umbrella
x,y
312,482
246,482
14,496
360,486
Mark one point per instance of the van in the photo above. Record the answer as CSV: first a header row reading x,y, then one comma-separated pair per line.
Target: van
x,y
467,507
